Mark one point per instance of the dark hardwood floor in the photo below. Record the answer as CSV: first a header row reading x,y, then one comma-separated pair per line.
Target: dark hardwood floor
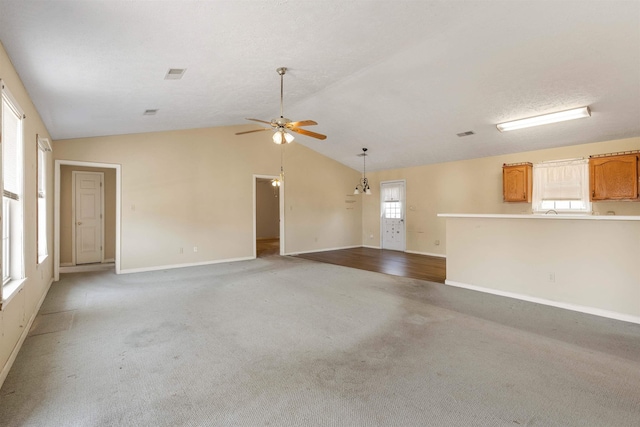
x,y
396,263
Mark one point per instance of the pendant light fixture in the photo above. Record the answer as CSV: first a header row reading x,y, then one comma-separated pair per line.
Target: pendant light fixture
x,y
363,185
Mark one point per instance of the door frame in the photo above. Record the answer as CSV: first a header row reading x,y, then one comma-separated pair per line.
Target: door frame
x,y
281,213
404,212
56,221
73,214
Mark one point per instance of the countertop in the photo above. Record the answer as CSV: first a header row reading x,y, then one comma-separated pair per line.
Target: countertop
x,y
546,216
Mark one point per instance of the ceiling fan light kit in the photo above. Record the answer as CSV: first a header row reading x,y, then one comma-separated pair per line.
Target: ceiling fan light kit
x,y
282,124
363,185
560,116
282,137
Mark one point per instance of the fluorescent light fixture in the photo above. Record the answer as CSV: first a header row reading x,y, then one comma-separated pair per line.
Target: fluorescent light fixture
x,y
576,113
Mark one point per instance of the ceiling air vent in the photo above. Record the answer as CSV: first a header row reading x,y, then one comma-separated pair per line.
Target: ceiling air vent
x,y
175,73
150,112
467,133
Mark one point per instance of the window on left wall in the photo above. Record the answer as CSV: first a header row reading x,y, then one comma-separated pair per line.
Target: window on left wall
x,y
12,195
44,148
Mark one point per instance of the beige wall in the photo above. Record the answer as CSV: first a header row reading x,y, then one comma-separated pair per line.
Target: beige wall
x,y
194,188
17,313
66,215
267,210
469,186
594,263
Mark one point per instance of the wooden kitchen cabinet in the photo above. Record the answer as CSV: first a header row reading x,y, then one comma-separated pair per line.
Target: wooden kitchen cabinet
x,y
517,182
614,177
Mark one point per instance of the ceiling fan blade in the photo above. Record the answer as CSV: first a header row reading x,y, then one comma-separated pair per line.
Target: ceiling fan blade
x,y
251,131
308,133
301,123
261,121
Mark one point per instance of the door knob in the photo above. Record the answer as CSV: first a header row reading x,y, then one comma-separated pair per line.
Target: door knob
x,y
79,222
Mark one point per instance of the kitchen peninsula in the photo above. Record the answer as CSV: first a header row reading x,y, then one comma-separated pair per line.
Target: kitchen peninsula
x,y
585,263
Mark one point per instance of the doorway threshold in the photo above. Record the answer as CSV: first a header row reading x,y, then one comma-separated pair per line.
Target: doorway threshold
x,y
88,267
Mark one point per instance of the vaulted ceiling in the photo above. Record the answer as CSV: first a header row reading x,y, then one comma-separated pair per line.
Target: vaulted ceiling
x,y
399,77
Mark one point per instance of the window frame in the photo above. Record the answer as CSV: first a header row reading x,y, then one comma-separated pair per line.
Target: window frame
x,y
16,269
42,199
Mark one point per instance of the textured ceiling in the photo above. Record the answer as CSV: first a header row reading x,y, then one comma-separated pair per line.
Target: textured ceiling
x,y
399,77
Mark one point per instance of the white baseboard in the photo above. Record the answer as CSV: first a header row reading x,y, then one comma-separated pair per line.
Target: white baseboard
x,y
194,264
108,261
567,306
426,253
371,247
23,336
67,264
322,250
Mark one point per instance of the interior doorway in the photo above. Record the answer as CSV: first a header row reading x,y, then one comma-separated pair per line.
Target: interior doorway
x,y
87,216
392,215
268,224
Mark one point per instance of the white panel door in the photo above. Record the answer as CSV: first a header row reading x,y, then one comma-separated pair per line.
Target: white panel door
x,y
88,216
392,215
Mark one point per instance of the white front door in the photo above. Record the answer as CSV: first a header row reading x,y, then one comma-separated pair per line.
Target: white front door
x,y
392,216
88,216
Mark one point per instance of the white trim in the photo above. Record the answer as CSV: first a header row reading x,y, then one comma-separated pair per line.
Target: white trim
x,y
12,358
109,261
56,202
194,264
426,253
44,144
11,100
66,264
567,306
10,290
323,250
280,215
371,247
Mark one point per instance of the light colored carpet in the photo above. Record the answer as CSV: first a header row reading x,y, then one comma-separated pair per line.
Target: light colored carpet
x,y
287,342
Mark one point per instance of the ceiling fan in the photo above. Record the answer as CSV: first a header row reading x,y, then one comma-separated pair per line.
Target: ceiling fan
x,y
281,124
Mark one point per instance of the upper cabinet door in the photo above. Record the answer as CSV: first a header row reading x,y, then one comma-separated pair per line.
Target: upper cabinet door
x,y
614,177
516,182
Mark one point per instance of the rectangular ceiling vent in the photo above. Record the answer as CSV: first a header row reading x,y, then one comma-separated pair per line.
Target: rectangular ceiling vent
x,y
175,73
150,112
467,133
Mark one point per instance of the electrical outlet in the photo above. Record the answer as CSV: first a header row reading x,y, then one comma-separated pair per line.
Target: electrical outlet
x,y
195,249
437,242
180,250
551,277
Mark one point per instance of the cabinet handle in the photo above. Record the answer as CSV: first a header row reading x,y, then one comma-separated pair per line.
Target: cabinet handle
x,y
593,193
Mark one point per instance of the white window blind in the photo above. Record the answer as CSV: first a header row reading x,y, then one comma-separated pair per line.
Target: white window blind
x,y
566,180
390,193
11,129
